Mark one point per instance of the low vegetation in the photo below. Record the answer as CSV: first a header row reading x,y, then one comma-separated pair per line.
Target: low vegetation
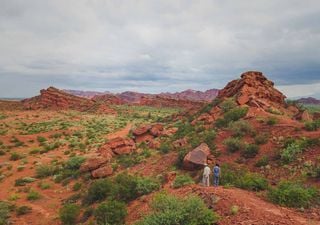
x,y
182,180
171,210
110,212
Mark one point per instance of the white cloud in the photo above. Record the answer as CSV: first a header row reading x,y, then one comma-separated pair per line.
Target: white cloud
x,y
189,43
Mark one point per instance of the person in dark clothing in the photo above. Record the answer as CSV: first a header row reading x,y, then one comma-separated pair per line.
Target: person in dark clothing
x,y
216,174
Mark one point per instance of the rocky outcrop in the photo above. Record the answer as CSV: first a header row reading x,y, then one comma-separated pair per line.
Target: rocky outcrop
x,y
253,89
109,99
147,133
103,171
92,163
303,116
193,95
160,101
55,99
196,158
118,146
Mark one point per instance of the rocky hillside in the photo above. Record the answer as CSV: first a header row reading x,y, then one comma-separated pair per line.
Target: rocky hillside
x,y
55,99
193,95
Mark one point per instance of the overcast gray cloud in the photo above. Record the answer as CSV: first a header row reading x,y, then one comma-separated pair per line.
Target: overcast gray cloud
x,y
155,46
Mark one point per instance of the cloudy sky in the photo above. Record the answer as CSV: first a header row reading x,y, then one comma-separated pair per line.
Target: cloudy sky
x,y
155,46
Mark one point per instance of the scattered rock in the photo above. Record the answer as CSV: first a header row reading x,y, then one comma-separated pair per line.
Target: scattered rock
x,y
93,163
196,158
102,172
303,115
118,146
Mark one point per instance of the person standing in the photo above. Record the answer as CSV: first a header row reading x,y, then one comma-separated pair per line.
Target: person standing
x,y
216,174
206,175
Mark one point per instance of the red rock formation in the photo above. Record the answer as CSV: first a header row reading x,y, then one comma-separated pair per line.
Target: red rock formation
x,y
118,146
192,95
92,163
303,115
103,171
109,99
55,99
196,158
146,133
253,89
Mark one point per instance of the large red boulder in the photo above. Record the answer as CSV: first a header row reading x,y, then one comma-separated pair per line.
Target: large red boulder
x,y
93,163
103,171
156,130
196,158
118,146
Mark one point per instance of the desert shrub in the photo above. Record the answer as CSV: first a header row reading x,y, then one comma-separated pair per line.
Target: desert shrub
x,y
253,182
241,178
33,195
74,163
171,210
24,181
234,144
181,154
34,151
22,210
272,121
241,128
111,212
292,194
250,151
165,147
313,125
126,189
147,185
182,180
263,161
41,139
69,213
184,129
44,185
261,138
15,156
274,111
77,186
43,171
289,153
235,114
4,213
227,105
208,137
98,191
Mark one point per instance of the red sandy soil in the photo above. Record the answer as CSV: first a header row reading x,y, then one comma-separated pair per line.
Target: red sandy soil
x,y
121,133
252,209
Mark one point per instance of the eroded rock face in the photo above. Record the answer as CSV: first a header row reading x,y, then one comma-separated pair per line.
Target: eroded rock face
x,y
92,163
196,158
303,116
146,133
103,171
253,89
118,146
55,99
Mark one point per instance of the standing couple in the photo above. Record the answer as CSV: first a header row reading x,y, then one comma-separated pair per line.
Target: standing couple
x,y
206,175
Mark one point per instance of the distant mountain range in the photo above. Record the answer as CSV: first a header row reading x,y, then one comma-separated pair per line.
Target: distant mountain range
x,y
135,97
309,101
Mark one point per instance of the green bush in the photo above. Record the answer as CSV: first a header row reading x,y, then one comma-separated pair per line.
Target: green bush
x,y
111,212
22,210
241,178
15,156
99,190
24,181
250,151
126,189
74,163
253,182
171,210
69,214
241,128
313,125
182,180
272,121
263,161
147,185
293,195
289,153
33,195
43,171
165,147
234,144
261,138
41,139
235,114
4,213
227,105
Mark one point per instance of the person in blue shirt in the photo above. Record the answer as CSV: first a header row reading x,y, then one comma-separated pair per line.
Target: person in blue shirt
x,y
216,174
